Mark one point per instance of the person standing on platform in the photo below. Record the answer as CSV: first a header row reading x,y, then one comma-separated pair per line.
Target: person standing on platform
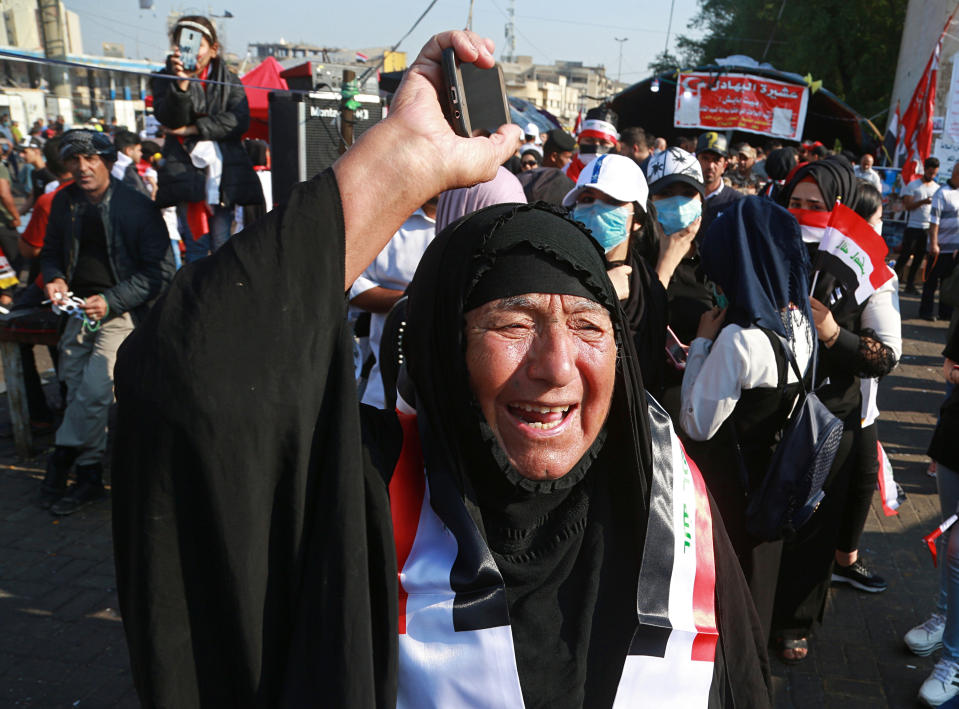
x,y
205,170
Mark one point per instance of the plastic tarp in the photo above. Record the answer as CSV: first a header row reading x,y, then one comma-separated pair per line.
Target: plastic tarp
x,y
258,83
524,112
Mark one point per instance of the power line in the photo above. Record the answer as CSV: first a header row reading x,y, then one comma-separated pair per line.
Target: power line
x,y
374,67
99,23
521,34
623,28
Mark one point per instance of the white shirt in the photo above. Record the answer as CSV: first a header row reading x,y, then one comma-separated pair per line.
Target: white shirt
x,y
881,315
120,166
716,191
393,268
919,190
945,212
717,373
870,176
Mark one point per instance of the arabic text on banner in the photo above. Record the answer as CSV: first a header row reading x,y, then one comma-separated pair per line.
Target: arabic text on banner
x,y
741,102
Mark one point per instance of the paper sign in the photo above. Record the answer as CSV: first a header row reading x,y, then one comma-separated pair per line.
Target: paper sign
x,y
742,102
948,153
950,129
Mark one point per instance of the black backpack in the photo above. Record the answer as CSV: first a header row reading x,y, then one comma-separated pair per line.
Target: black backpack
x,y
791,489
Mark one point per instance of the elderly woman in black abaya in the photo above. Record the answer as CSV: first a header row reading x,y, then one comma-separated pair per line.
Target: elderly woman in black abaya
x,y
849,349
532,537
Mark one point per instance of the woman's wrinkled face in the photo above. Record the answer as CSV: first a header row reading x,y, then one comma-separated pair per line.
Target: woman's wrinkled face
x,y
806,195
542,368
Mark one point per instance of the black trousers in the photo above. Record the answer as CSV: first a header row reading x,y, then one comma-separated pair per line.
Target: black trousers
x,y
939,272
913,244
861,486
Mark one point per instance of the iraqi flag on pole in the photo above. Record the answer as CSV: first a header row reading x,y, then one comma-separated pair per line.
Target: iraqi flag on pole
x,y
891,492
851,257
361,58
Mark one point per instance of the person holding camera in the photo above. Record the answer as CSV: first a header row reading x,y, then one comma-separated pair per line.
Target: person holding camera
x,y
203,108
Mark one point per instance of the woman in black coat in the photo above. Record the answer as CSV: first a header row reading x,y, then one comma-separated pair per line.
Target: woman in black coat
x,y
205,103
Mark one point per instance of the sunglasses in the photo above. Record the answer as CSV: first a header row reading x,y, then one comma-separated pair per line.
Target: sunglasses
x,y
528,163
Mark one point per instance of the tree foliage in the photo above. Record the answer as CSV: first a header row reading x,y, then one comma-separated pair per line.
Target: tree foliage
x,y
851,45
665,62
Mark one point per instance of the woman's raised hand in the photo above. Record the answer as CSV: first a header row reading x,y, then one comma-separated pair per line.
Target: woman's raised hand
x,y
414,154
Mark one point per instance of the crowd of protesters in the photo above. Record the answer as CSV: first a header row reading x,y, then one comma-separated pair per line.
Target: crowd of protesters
x,y
506,317
705,343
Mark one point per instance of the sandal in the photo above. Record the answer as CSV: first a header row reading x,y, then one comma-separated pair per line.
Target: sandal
x,y
793,650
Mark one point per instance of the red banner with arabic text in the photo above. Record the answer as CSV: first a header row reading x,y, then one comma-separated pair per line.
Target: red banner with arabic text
x,y
740,102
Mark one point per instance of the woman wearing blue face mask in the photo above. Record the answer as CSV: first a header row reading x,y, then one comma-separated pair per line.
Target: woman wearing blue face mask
x,y
611,199
676,186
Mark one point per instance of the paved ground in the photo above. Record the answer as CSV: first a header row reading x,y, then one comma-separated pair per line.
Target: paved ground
x,y
62,645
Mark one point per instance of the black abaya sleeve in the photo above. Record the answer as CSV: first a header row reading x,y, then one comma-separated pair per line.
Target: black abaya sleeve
x,y
742,676
254,552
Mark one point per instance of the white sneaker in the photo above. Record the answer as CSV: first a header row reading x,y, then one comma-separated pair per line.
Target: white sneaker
x,y
925,639
942,685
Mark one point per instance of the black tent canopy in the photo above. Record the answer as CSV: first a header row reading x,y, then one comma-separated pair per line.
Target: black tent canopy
x,y
827,117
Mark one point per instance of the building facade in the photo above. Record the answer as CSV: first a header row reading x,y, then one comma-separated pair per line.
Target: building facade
x,y
564,88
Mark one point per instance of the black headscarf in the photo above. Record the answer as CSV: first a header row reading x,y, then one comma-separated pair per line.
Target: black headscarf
x,y
834,176
755,253
558,544
780,162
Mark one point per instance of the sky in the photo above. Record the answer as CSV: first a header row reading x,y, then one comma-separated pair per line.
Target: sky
x,y
557,29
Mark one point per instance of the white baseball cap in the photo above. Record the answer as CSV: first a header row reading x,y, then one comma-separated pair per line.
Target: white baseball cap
x,y
614,175
674,165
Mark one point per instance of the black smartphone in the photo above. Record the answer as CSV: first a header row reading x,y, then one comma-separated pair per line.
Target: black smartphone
x,y
189,47
676,351
475,99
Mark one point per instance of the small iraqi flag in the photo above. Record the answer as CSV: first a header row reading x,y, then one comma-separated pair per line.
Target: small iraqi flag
x,y
851,256
361,58
930,539
890,491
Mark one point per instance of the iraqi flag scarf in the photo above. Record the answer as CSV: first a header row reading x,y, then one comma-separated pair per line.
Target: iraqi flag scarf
x,y
455,644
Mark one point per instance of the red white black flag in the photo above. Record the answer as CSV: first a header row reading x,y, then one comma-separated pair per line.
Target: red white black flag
x,y
851,258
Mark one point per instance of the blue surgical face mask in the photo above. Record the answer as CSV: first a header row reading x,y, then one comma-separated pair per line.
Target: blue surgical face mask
x,y
606,222
677,213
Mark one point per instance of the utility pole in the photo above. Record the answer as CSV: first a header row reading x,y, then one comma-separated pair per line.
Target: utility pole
x,y
619,70
669,27
510,31
347,115
54,46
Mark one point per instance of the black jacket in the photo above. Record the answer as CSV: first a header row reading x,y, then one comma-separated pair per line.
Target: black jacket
x,y
138,244
220,112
